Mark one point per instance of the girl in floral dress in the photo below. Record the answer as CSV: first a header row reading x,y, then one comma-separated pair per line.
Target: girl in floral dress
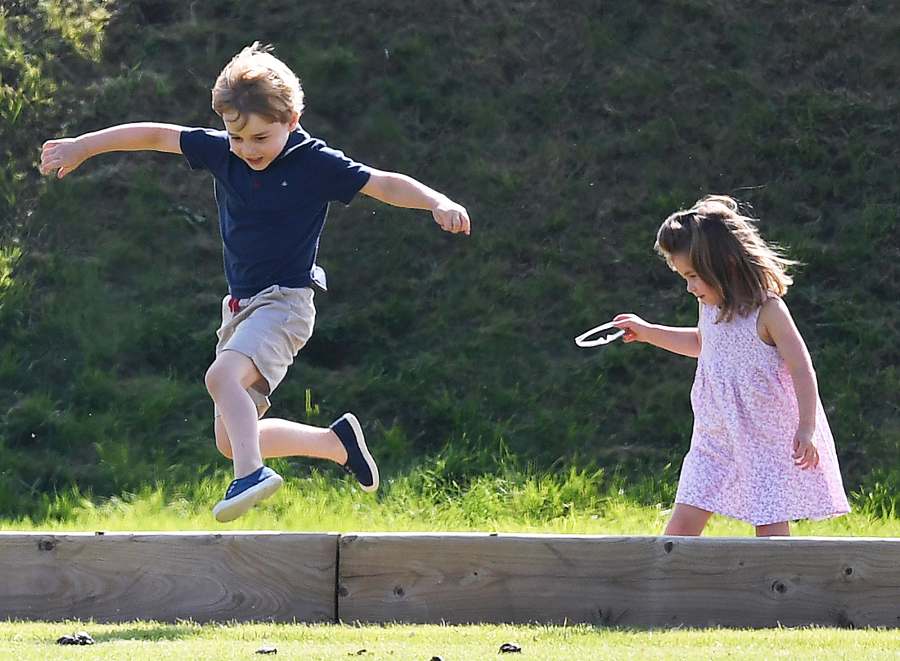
x,y
761,449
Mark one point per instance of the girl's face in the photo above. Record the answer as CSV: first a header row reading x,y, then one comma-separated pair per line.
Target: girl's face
x,y
259,142
704,292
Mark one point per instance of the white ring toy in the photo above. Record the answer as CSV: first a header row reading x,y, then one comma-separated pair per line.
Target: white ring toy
x,y
583,341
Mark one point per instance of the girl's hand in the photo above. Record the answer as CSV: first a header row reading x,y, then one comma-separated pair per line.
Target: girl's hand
x,y
63,156
805,454
636,329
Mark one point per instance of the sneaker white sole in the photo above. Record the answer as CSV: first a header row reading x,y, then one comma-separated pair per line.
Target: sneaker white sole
x,y
229,510
361,442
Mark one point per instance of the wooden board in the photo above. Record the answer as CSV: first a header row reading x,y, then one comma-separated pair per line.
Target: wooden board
x,y
115,577
628,581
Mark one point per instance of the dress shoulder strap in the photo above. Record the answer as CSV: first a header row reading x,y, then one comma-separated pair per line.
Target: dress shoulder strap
x,y
769,296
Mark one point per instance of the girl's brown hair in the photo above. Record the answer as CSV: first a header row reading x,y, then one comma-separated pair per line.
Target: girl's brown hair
x,y
727,252
257,82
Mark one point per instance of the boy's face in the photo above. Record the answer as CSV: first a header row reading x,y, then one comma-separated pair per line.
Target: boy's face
x,y
259,141
704,292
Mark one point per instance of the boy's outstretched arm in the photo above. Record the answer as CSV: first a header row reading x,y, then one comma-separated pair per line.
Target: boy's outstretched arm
x,y
66,154
401,191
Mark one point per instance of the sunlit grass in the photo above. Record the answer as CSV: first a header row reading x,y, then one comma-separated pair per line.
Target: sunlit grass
x,y
9,255
108,320
158,642
79,22
490,504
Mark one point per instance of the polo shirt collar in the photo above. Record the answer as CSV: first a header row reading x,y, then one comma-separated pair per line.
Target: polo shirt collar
x,y
296,139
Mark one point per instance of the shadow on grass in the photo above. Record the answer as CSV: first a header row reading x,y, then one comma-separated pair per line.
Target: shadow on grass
x,y
151,631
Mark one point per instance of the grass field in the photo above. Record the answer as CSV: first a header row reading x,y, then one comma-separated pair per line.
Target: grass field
x,y
516,502
187,641
568,130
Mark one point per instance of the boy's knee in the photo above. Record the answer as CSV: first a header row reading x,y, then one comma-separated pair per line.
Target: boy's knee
x,y
230,368
215,377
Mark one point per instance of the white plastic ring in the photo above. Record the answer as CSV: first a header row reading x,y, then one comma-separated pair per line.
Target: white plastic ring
x,y
583,341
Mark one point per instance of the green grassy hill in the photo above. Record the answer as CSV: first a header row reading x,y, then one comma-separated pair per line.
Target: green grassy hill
x,y
568,130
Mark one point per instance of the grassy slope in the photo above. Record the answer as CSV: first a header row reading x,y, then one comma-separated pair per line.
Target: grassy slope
x,y
568,131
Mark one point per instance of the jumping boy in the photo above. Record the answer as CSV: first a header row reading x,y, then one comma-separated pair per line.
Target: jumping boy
x,y
273,184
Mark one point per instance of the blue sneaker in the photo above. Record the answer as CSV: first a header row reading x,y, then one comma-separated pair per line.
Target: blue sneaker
x,y
244,493
359,462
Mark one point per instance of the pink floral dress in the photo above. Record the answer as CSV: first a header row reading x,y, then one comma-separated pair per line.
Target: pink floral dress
x,y
745,416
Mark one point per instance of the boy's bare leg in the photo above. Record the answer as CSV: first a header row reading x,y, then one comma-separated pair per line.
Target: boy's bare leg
x,y
283,438
227,380
687,520
782,529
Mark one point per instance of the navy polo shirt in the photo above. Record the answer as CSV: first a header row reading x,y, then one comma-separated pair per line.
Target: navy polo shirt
x,y
271,220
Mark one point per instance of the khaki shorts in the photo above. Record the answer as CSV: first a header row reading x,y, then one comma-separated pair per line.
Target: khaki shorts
x,y
270,329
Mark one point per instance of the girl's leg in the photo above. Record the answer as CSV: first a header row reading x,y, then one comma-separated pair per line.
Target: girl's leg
x,y
283,438
227,380
782,529
687,520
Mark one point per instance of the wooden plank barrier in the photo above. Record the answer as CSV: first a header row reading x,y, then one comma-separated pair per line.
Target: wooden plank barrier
x,y
116,577
627,581
454,578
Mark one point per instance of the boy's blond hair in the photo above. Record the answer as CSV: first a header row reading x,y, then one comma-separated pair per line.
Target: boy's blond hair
x,y
727,252
257,82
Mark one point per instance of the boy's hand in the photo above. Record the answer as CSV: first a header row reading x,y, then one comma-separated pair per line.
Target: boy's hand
x,y
805,454
635,328
63,156
452,217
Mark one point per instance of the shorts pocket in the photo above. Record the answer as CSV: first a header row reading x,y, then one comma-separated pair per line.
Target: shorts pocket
x,y
299,324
